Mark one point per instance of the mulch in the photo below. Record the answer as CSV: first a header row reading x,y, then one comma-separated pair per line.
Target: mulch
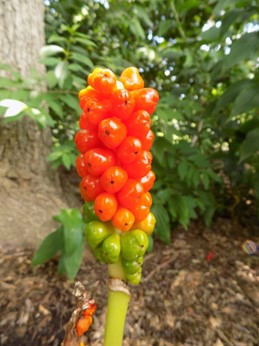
x,y
200,290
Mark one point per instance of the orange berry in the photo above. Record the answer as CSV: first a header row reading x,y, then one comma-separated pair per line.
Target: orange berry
x,y
105,206
102,80
131,79
123,219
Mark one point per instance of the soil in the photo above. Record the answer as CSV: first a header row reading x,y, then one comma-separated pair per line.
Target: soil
x,y
199,290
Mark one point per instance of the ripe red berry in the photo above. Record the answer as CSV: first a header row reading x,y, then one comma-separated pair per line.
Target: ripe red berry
x,y
90,188
148,181
130,194
112,132
138,124
113,179
147,140
80,166
141,166
86,139
146,98
96,110
129,149
122,103
97,160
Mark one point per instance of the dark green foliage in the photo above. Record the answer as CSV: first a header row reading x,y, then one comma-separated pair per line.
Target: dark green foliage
x,y
201,56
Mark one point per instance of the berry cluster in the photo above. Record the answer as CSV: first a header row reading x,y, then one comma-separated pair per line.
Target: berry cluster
x,y
114,142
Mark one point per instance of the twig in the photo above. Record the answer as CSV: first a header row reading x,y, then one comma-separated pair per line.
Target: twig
x,y
159,267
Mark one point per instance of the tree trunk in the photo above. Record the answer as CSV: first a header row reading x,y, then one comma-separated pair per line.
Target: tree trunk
x,y
30,192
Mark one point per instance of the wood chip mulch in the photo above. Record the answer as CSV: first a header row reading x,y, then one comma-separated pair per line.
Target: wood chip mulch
x,y
200,290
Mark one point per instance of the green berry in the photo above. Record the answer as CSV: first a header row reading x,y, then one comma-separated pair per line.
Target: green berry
x,y
133,244
96,232
111,249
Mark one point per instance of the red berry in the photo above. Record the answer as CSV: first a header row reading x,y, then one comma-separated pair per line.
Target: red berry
x,y
90,188
112,132
122,103
86,139
146,98
80,166
148,181
130,194
113,179
97,160
147,140
141,166
138,124
129,149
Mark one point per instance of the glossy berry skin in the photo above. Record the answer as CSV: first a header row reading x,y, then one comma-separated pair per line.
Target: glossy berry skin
x,y
129,149
138,124
96,110
96,232
148,181
85,124
111,249
130,194
131,79
81,168
85,94
105,206
86,139
97,160
90,187
111,132
122,103
123,219
113,179
133,244
102,80
147,225
146,98
140,211
141,166
147,141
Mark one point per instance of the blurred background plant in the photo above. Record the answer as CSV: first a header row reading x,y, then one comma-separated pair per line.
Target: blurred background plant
x,y
203,59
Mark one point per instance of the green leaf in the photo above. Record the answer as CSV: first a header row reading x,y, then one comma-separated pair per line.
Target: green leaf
x,y
182,169
245,48
51,79
73,224
164,27
250,145
83,59
50,50
162,222
247,99
49,247
54,104
211,34
72,262
136,28
71,101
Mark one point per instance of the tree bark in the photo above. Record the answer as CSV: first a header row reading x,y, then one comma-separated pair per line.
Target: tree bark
x,y
30,193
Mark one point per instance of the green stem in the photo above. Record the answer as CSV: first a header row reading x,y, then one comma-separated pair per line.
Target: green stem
x,y
117,310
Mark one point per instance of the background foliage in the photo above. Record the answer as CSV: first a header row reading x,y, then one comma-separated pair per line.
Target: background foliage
x,y
200,55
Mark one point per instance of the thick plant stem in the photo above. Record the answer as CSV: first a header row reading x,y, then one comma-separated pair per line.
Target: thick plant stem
x,y
118,301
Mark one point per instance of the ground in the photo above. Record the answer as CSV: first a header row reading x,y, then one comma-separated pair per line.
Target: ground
x,y
199,290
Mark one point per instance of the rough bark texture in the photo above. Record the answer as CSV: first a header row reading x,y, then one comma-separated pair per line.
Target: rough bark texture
x,y
30,193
